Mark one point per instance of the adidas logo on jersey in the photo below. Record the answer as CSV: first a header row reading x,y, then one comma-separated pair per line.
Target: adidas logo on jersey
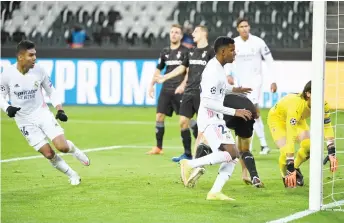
x,y
17,85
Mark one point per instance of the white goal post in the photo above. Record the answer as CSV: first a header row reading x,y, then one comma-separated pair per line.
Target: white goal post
x,y
317,105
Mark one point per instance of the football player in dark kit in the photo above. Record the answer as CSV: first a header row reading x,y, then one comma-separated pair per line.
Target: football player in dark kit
x,y
197,60
244,131
171,92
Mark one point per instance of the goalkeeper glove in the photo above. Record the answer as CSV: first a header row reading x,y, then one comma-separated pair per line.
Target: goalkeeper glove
x,y
331,157
290,179
12,111
61,115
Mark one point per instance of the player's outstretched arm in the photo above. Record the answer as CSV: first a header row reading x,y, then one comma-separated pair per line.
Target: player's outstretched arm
x,y
174,73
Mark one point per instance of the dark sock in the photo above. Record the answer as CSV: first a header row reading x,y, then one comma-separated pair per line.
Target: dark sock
x,y
159,133
202,150
248,159
194,127
186,138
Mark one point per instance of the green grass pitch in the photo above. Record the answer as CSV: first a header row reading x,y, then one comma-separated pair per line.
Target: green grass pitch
x,y
125,185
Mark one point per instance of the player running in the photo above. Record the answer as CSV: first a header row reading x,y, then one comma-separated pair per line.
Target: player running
x,y
197,60
287,123
210,121
247,71
23,82
244,131
172,90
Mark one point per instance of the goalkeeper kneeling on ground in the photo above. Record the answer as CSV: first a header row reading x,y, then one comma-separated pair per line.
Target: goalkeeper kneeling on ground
x,y
287,123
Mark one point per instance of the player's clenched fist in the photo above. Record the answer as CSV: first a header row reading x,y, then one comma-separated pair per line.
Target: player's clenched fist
x,y
61,116
243,113
12,111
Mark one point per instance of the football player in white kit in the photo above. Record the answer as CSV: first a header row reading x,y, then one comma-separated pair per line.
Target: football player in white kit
x,y
214,87
247,71
23,82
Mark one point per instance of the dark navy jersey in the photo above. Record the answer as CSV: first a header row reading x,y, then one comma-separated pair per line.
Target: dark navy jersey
x,y
171,59
197,60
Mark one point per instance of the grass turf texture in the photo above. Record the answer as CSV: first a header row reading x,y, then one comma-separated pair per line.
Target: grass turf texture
x,y
125,185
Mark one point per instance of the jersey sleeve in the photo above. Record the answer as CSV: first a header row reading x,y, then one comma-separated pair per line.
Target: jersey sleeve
x,y
328,130
4,91
161,62
294,116
49,89
209,84
264,49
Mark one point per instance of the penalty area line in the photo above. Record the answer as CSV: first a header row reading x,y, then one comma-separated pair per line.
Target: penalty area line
x,y
86,151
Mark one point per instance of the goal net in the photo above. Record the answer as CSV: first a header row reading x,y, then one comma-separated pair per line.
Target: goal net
x,y
326,188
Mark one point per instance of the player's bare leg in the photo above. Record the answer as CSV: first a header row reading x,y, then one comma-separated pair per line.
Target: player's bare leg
x,y
67,146
248,161
244,174
186,139
159,134
57,162
259,129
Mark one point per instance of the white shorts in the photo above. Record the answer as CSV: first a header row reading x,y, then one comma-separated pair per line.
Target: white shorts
x,y
254,96
217,134
36,131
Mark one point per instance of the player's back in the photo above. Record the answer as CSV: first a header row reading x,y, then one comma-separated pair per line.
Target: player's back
x,y
292,103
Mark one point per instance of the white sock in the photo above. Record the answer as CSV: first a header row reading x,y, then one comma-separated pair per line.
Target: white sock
x,y
211,159
71,146
225,172
61,165
259,129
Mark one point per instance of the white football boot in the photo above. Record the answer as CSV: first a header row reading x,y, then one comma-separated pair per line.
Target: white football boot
x,y
265,151
74,178
82,157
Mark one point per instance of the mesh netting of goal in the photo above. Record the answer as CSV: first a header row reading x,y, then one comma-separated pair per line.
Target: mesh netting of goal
x,y
333,183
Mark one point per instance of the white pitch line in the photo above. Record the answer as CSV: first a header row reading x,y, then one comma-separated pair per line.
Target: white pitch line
x,y
86,151
305,213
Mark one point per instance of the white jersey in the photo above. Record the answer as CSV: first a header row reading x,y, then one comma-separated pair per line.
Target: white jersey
x,y
213,87
247,66
25,91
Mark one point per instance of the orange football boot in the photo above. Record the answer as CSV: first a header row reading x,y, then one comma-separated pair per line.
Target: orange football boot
x,y
155,151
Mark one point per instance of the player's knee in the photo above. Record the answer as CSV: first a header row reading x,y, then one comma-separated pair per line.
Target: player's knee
x,y
160,117
184,122
61,145
231,149
48,153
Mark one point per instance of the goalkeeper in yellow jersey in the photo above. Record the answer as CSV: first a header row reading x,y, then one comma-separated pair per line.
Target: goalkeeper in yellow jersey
x,y
287,123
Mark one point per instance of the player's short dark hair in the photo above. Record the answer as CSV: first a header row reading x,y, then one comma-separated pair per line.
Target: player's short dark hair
x,y
222,41
177,26
204,28
25,45
240,20
307,88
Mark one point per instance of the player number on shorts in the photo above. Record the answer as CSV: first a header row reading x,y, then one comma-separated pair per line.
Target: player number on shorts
x,y
222,129
24,132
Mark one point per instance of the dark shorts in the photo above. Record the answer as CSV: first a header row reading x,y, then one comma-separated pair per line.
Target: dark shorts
x,y
189,105
168,102
242,128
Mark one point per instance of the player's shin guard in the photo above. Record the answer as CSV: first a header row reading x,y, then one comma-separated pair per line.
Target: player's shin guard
x,y
186,138
303,153
194,127
225,171
61,165
250,164
159,133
